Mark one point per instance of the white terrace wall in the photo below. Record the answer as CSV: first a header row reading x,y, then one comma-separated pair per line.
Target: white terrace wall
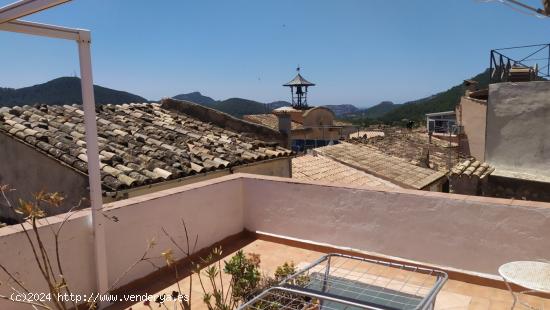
x,y
75,248
471,233
211,209
464,232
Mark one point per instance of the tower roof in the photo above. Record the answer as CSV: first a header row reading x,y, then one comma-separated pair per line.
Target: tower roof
x,y
299,81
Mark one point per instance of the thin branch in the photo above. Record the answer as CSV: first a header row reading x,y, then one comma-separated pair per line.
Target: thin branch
x,y
174,241
13,278
141,259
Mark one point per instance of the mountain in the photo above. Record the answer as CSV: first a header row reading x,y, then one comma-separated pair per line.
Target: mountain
x,y
277,104
239,107
381,109
443,101
233,106
388,112
375,111
342,109
196,97
63,90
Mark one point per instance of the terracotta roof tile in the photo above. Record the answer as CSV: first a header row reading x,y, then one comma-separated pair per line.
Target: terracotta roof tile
x,y
472,168
269,120
139,143
372,161
321,168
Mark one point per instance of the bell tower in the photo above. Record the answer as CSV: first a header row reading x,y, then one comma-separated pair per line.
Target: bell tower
x,y
298,90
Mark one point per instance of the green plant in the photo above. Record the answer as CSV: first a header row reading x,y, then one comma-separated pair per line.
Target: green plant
x,y
245,274
217,298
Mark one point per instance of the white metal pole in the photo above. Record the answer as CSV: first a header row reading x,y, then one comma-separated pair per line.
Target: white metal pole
x,y
26,7
93,162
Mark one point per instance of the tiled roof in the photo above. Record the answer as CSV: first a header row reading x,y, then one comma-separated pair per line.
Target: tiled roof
x,y
139,143
472,168
325,169
269,120
413,146
387,167
366,134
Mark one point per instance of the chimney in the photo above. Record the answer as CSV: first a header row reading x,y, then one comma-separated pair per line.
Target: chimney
x,y
471,86
285,123
285,118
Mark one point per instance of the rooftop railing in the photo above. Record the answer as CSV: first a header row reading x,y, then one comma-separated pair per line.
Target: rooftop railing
x,y
535,59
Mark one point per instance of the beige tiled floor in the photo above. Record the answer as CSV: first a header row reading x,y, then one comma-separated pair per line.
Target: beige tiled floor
x,y
454,295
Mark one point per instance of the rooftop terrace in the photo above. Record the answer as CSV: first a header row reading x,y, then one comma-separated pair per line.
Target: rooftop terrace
x,y
274,252
284,219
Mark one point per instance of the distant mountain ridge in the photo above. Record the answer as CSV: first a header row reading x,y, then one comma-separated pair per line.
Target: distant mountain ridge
x,y
375,111
233,106
444,101
342,109
63,90
196,97
67,90
416,110
239,106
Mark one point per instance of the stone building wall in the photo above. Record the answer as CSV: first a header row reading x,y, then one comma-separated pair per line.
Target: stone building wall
x,y
503,187
29,171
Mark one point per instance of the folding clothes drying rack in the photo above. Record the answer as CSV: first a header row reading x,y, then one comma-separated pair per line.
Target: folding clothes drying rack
x,y
337,281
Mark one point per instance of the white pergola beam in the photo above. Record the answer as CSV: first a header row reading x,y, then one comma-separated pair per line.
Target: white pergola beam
x,y
44,30
23,8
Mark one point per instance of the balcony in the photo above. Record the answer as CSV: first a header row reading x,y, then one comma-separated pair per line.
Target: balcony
x,y
287,220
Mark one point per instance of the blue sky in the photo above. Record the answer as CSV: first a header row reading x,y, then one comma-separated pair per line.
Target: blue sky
x,y
359,52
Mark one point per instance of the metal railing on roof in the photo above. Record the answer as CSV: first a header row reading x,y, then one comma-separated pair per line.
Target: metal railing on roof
x,y
338,281
534,58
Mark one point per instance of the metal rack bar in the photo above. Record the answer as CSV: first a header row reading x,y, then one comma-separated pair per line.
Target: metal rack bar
x,y
366,282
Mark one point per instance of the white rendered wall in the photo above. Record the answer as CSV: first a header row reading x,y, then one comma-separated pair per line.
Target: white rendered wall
x,y
464,232
470,233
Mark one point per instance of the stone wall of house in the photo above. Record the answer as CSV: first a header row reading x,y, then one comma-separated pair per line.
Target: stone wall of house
x,y
503,187
28,171
465,185
518,116
224,120
471,114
